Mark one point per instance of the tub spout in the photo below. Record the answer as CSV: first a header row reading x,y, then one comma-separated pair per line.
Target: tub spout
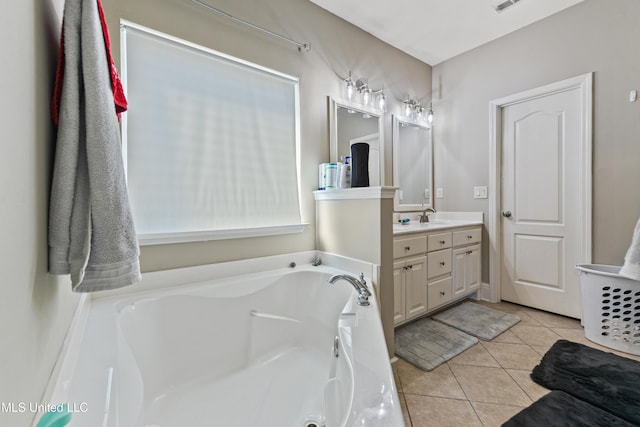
x,y
359,286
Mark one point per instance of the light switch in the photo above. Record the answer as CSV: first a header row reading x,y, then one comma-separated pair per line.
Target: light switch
x,y
479,192
439,193
633,95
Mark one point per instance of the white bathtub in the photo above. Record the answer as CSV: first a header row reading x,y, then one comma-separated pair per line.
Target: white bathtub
x,y
251,350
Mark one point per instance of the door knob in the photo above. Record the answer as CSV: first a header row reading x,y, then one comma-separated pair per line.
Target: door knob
x,y
506,214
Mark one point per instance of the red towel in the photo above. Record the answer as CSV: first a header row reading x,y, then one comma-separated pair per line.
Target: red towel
x,y
119,98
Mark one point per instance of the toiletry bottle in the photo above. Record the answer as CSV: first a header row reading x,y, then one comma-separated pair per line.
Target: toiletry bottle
x,y
344,180
331,175
322,183
360,169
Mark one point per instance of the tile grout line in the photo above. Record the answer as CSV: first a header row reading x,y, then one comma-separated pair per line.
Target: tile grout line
x,y
406,405
465,395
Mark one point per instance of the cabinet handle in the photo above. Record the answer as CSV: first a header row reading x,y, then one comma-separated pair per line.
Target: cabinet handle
x,y
469,237
442,263
469,252
407,248
442,242
443,293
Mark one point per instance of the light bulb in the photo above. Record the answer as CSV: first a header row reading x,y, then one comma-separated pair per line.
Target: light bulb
x,y
430,116
366,96
350,89
407,109
382,100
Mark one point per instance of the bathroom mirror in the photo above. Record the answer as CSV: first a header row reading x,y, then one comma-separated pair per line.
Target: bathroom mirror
x,y
351,123
412,165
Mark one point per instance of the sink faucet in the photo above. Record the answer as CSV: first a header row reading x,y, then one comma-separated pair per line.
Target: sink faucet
x,y
424,217
359,284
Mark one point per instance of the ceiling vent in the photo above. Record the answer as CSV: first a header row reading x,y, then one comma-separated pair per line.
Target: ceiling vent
x,y
502,5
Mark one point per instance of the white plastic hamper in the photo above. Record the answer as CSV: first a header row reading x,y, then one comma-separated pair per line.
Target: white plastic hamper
x,y
610,307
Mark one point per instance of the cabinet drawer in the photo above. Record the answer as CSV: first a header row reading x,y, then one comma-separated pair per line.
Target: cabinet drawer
x,y
438,263
465,237
435,242
409,246
439,292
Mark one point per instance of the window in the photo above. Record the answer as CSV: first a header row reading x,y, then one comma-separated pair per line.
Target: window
x,y
210,141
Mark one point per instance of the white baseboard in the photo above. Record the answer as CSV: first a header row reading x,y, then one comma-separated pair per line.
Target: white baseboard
x,y
484,293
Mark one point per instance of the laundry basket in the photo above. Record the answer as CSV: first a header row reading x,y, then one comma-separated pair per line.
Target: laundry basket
x,y
610,307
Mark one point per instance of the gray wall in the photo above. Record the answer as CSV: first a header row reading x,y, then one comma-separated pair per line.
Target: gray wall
x,y
596,35
337,47
35,309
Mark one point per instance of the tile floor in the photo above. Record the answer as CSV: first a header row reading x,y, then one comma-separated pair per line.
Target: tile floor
x,y
488,383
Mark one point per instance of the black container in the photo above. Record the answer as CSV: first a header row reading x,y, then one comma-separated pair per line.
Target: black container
x,y
360,164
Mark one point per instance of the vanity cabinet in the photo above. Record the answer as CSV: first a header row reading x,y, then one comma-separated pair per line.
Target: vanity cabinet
x,y
432,269
466,261
409,278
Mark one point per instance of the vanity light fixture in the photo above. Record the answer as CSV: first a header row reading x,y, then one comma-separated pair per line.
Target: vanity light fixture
x,y
366,94
412,110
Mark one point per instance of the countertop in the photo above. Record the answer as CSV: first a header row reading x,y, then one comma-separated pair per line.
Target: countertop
x,y
439,221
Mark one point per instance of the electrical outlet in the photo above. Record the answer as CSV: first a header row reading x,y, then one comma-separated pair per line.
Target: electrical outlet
x,y
426,193
439,193
479,192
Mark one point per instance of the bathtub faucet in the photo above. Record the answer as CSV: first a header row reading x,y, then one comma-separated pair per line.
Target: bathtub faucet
x,y
359,285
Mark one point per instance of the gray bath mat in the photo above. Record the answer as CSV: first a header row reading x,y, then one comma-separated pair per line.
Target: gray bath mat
x,y
477,320
427,344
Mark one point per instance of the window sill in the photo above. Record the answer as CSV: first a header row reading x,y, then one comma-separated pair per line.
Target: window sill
x,y
201,236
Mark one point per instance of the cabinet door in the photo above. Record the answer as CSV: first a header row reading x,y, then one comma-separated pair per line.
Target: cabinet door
x,y
415,286
458,272
398,292
466,270
472,268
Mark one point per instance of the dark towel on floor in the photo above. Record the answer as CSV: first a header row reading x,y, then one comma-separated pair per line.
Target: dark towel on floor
x,y
559,409
605,380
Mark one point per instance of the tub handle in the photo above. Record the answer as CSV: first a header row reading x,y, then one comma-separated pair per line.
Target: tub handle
x,y
336,346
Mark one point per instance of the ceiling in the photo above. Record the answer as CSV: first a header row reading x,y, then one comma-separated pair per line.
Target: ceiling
x,y
436,30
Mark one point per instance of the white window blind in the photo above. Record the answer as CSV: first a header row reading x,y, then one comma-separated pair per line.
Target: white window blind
x,y
210,142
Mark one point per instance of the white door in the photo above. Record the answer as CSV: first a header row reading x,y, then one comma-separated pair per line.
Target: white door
x,y
544,198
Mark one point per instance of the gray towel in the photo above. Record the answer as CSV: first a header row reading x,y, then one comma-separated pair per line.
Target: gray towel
x,y
91,232
631,266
